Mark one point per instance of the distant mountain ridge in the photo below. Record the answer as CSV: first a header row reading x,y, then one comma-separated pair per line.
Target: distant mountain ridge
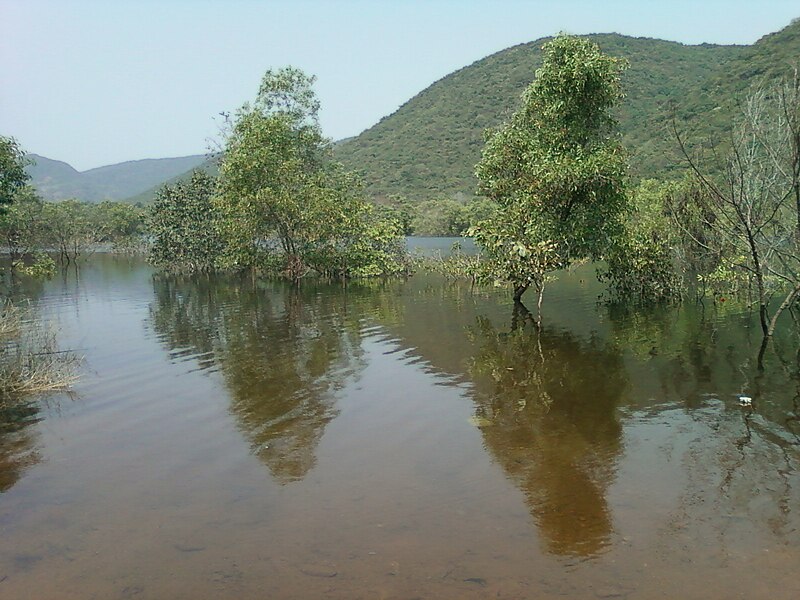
x,y
57,180
428,147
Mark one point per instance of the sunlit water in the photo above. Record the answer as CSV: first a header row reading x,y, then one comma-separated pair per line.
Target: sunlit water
x,y
408,439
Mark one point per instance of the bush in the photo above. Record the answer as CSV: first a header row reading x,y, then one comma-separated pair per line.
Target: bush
x,y
30,361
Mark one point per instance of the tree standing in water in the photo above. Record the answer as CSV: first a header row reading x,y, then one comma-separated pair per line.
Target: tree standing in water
x,y
13,176
285,201
556,169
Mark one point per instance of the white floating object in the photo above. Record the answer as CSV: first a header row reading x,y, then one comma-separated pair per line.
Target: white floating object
x,y
745,401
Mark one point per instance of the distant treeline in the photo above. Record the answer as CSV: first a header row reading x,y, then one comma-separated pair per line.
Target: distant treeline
x,y
36,234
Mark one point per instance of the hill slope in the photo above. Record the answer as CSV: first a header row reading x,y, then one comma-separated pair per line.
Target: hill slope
x,y
430,145
56,180
428,148
209,165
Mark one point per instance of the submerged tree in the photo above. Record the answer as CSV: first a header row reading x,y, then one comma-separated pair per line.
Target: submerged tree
x,y
13,177
21,226
126,226
284,199
557,169
183,226
74,229
751,201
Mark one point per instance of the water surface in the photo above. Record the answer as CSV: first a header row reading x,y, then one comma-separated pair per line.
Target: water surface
x,y
233,438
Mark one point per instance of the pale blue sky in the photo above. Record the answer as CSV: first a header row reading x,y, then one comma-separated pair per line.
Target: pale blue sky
x,y
99,82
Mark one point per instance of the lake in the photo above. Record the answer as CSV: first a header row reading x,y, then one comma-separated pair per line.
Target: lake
x,y
232,438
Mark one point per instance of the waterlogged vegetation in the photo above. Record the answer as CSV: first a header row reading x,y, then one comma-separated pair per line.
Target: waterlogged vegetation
x,y
283,400
31,362
555,170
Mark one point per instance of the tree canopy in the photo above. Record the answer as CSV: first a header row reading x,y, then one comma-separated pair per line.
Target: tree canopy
x,y
282,196
556,169
183,226
12,169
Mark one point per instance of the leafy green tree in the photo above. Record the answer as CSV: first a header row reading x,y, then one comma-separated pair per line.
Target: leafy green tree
x,y
284,201
183,226
12,170
125,225
398,208
557,169
74,229
22,225
648,261
478,210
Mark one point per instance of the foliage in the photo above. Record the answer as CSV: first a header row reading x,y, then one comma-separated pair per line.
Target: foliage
x,y
282,197
42,266
30,228
449,217
398,209
556,169
751,199
73,229
439,217
182,223
646,264
12,170
22,225
30,361
125,226
456,265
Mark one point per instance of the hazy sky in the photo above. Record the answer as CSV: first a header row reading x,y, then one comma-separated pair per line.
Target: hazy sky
x,y
99,82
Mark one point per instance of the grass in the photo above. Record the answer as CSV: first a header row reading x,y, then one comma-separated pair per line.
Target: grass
x,y
31,363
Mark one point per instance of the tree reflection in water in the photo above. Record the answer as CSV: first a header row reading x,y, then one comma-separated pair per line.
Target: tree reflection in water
x,y
18,448
283,351
545,403
18,439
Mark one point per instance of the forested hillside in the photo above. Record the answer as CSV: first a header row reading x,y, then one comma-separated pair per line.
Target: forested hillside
x,y
430,145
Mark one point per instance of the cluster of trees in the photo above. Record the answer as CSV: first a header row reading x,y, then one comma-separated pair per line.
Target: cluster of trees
x,y
554,191
280,203
30,361
732,225
558,174
32,231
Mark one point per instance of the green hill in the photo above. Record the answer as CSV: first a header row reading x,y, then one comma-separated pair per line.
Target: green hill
x,y
210,165
430,145
56,180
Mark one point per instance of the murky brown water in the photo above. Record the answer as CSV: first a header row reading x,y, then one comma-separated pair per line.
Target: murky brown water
x,y
399,440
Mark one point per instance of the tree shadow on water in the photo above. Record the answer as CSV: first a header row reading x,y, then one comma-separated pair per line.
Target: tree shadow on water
x,y
18,445
546,406
283,352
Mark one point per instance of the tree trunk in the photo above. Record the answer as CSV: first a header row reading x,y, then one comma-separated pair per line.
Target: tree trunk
x,y
518,291
764,318
787,302
763,315
540,289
